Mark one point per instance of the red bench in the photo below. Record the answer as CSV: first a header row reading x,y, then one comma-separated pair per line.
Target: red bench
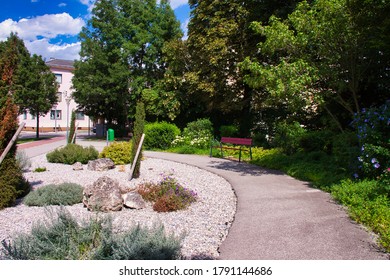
x,y
234,142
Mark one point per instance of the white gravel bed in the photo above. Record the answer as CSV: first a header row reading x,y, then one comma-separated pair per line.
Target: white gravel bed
x,y
205,223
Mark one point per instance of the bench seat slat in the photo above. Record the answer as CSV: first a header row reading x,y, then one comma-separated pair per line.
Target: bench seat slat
x,y
237,141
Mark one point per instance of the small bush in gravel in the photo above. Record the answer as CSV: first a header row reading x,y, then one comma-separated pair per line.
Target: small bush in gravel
x,y
72,153
23,160
40,169
63,194
118,152
168,195
63,238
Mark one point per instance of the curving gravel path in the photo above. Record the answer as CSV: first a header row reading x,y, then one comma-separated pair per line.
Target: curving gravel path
x,y
205,223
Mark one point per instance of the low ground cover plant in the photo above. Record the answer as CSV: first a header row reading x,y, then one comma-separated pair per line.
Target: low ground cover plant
x,y
63,238
40,169
73,153
62,194
167,195
118,152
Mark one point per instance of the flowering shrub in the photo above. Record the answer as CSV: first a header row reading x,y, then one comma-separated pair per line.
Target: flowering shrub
x,y
167,195
373,129
196,134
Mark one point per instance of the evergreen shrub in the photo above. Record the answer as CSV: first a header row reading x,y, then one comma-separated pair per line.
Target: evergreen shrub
x,y
73,153
12,183
63,194
160,135
118,152
63,238
139,128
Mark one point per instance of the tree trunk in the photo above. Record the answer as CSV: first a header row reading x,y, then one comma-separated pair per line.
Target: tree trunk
x,y
37,133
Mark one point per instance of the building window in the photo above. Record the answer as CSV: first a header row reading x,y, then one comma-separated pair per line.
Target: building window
x,y
59,96
80,115
52,114
58,78
32,117
24,115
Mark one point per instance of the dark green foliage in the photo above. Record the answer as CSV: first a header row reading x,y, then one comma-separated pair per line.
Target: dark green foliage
x,y
118,152
366,205
72,129
12,183
345,149
62,194
229,131
73,153
168,195
62,238
160,135
316,141
288,137
139,125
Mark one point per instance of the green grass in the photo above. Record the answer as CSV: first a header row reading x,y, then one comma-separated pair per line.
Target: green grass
x,y
28,140
366,205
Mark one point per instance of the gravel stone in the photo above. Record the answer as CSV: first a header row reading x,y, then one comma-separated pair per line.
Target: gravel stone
x,y
205,224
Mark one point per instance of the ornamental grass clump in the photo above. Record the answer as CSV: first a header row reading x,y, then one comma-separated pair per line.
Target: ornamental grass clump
x,y
167,195
62,237
63,194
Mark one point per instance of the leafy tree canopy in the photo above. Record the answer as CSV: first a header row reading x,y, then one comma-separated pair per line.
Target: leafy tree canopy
x,y
121,55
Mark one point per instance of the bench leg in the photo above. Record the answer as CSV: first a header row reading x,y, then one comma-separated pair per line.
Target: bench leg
x,y
239,157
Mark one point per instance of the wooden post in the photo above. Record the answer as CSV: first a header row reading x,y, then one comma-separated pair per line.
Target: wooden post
x,y
10,144
136,156
74,134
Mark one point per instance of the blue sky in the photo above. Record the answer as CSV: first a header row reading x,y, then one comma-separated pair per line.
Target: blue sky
x,y
50,27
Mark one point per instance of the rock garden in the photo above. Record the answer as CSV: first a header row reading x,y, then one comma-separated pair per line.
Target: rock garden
x,y
172,206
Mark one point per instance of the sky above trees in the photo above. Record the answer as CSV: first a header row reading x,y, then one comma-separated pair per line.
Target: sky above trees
x,y
50,27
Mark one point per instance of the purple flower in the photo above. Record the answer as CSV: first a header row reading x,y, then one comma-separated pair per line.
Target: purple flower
x,y
376,165
355,175
373,160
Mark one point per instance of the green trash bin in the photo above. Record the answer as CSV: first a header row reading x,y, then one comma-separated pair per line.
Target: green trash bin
x,y
110,135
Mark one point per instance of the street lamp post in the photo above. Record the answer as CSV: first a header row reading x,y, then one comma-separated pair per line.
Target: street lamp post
x,y
55,118
68,98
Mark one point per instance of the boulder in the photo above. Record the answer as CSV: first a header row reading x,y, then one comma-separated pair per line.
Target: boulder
x,y
133,200
103,195
101,164
78,166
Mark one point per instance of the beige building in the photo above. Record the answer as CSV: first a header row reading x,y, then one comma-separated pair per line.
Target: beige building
x,y
58,118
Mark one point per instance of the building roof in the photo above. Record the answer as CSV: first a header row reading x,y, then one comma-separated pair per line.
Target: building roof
x,y
60,64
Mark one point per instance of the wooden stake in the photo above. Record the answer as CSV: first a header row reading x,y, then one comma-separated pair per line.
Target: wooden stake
x,y
10,144
136,156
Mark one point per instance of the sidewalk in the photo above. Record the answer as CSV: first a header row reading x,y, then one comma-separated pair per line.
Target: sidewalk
x,y
277,218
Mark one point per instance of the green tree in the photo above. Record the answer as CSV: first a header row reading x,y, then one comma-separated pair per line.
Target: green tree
x,y
12,183
37,90
121,55
139,125
317,60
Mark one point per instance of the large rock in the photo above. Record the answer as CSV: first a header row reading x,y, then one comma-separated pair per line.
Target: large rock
x,y
103,195
133,200
101,164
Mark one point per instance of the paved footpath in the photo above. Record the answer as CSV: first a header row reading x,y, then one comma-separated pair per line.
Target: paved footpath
x,y
277,218
281,218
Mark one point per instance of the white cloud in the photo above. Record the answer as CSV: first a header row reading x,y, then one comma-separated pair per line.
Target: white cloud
x,y
177,3
46,50
37,32
47,26
34,1
89,3
62,5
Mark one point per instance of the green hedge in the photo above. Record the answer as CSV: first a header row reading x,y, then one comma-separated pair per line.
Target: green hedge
x,y
160,135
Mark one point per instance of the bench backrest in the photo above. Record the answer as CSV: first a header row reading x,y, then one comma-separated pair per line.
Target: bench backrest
x,y
237,141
